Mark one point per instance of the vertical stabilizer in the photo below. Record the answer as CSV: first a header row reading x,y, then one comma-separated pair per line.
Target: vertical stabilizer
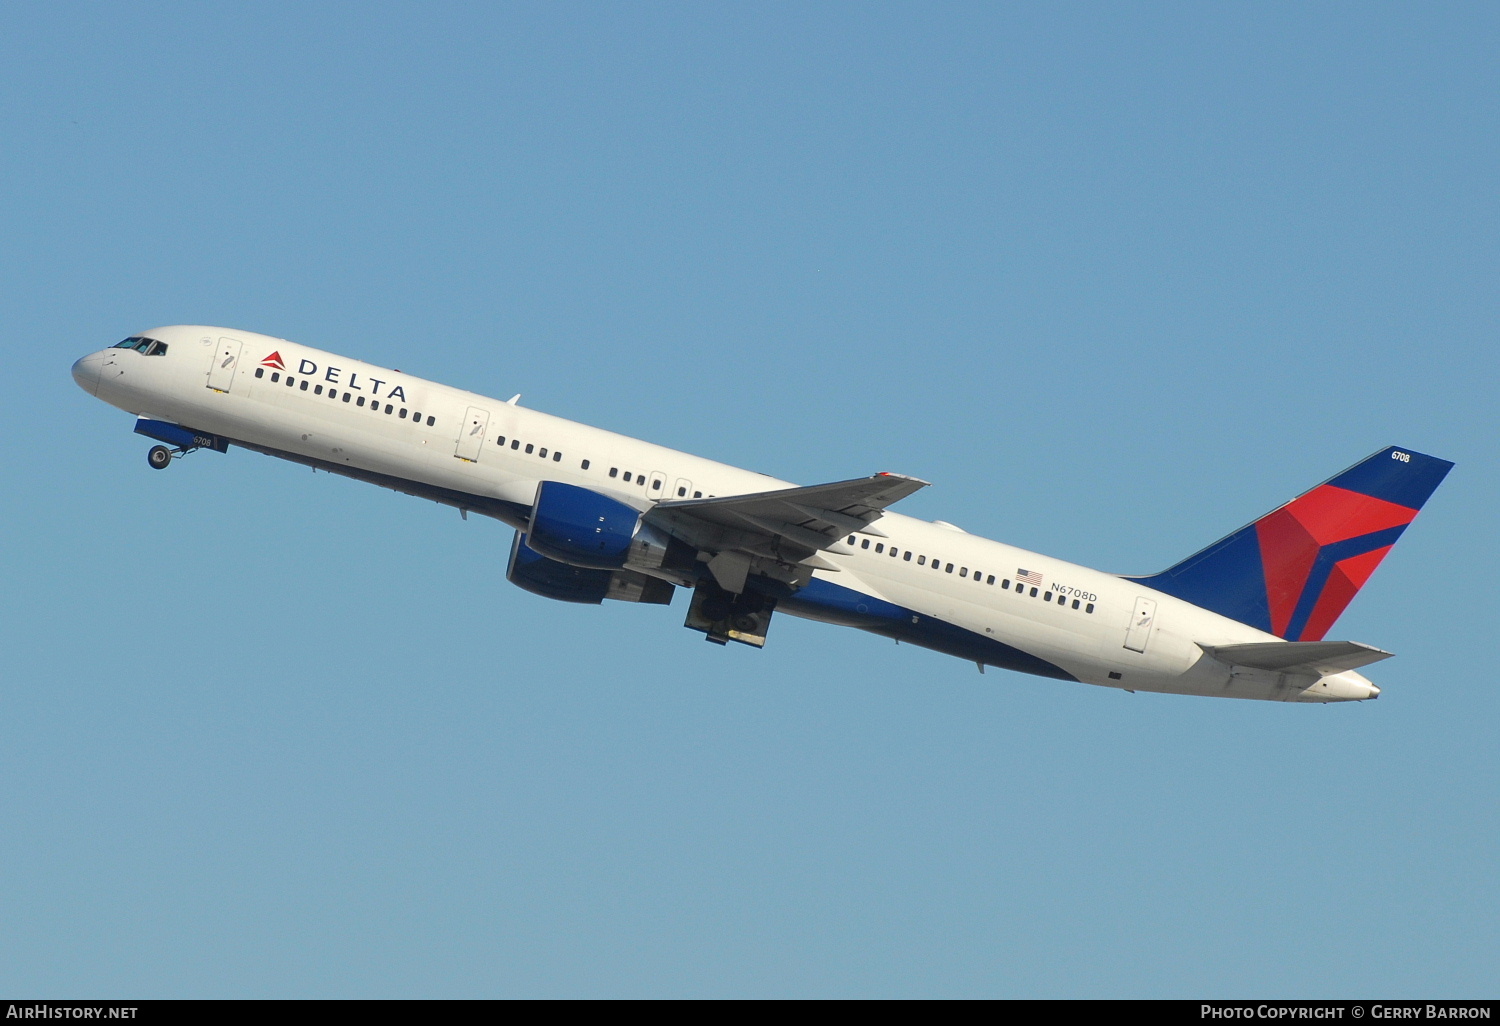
x,y
1293,571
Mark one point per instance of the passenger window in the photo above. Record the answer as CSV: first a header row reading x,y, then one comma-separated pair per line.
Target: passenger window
x,y
990,579
317,390
1047,597
1005,584
851,539
656,486
697,495
387,405
557,457
864,543
303,386
627,477
290,381
542,453
963,571
348,396
430,422
360,401
949,569
681,492
907,557
515,443
403,413
1089,608
880,546
275,377
614,471
893,552
585,464
500,440
1033,593
260,372
921,561
529,448
1075,603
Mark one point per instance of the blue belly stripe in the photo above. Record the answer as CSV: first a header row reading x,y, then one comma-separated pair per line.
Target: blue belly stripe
x,y
832,603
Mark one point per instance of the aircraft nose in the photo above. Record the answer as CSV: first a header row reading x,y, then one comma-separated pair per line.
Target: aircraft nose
x,y
86,372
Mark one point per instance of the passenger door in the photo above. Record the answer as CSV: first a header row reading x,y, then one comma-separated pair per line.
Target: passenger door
x,y
1141,622
471,434
226,363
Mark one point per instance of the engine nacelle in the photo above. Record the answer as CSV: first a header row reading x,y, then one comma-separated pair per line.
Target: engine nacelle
x,y
582,528
534,572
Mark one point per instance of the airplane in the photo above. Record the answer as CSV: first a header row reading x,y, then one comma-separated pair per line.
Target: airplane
x,y
598,515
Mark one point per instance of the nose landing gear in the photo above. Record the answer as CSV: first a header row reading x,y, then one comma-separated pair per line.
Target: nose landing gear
x,y
181,440
160,457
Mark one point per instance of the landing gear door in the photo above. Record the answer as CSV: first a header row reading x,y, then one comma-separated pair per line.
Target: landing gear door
x,y
471,435
226,363
1141,622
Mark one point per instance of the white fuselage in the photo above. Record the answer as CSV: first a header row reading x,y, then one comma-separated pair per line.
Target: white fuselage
x,y
1091,625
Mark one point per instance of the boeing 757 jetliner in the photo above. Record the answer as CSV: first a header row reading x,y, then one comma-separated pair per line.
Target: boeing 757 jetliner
x,y
601,516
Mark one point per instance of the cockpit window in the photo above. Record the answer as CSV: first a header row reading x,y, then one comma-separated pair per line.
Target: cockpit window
x,y
148,346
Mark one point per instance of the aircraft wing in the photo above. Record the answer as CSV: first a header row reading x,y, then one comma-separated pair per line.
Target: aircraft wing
x,y
1320,657
790,525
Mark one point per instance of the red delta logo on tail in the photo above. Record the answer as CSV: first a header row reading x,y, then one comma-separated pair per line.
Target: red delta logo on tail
x,y
1318,550
1293,571
274,362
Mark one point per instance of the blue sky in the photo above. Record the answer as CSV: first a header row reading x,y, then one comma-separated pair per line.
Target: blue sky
x,y
1115,278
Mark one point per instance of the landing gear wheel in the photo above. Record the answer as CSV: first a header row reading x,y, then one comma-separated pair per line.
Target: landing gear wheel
x,y
160,457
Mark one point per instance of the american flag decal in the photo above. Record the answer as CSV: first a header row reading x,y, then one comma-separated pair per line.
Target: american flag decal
x,y
1029,577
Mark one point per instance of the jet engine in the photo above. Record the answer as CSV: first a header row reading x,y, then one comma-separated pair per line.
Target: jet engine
x,y
534,572
583,528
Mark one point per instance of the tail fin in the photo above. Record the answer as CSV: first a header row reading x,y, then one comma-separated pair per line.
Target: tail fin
x,y
1293,571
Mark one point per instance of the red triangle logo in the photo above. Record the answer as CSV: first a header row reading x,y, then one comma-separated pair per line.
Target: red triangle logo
x,y
274,361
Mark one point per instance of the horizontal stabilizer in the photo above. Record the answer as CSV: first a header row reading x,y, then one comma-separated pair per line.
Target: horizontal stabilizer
x,y
1320,657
